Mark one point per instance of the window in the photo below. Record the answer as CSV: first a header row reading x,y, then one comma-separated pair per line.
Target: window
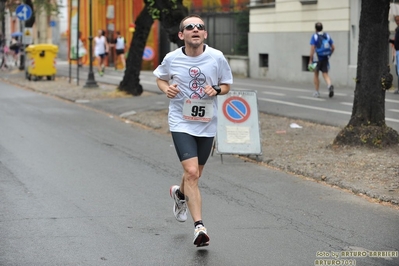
x,y
305,62
262,3
308,2
263,60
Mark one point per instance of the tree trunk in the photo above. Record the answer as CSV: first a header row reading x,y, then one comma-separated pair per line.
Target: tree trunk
x,y
171,13
131,79
170,20
2,18
367,124
31,21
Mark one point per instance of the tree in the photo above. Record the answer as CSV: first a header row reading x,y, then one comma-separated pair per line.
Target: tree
x,y
169,13
367,124
47,6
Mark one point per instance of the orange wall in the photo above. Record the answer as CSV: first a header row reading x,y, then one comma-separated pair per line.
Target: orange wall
x,y
125,12
212,3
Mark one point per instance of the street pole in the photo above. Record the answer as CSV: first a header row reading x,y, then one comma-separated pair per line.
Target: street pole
x,y
77,46
91,82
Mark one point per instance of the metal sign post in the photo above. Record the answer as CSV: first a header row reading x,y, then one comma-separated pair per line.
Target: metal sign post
x,y
24,12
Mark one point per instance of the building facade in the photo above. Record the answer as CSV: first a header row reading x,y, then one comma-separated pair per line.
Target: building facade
x,y
280,32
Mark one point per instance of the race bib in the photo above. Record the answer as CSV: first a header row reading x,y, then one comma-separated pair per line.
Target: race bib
x,y
198,110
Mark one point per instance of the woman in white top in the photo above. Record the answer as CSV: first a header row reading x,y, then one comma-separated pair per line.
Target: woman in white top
x,y
101,48
119,43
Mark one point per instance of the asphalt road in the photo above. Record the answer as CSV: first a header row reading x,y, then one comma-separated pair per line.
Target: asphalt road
x,y
80,187
277,97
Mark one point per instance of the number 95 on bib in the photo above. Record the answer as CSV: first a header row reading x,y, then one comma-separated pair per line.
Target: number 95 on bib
x,y
198,110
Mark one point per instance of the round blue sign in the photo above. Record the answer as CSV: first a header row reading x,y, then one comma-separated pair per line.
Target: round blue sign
x,y
23,12
148,53
236,109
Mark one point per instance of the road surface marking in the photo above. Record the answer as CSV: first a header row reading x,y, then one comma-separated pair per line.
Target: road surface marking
x,y
346,103
319,108
312,98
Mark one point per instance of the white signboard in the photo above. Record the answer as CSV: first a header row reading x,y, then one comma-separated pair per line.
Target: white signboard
x,y
238,129
27,37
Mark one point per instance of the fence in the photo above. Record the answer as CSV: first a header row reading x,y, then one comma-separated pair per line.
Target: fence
x,y
227,27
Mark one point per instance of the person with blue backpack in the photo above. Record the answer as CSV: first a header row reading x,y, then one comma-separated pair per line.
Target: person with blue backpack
x,y
323,46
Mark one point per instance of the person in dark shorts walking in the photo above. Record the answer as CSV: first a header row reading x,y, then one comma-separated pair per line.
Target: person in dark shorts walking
x,y
323,46
120,44
101,48
191,77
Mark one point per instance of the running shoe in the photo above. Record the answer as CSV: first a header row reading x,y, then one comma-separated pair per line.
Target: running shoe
x,y
396,92
331,91
101,73
316,94
201,238
179,206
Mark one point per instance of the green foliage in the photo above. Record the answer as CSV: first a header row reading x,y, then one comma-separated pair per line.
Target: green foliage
x,y
156,12
47,5
242,19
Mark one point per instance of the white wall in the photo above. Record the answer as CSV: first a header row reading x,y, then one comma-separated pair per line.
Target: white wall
x,y
63,16
292,16
283,33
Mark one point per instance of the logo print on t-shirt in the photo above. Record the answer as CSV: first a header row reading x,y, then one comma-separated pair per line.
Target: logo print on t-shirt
x,y
197,83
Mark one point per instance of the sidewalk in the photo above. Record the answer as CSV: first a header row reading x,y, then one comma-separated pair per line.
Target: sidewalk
x,y
305,152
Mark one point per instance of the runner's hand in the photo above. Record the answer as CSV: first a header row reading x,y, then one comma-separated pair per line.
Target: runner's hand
x,y
210,91
172,91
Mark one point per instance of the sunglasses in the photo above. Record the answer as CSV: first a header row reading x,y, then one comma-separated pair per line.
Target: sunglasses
x,y
191,26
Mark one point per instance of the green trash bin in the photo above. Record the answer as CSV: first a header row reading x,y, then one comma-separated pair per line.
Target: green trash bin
x,y
41,61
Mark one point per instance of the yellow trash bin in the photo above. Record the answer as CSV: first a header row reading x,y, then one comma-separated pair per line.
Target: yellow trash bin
x,y
41,61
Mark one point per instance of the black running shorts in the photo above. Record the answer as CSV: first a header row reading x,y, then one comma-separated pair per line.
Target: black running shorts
x,y
188,146
322,66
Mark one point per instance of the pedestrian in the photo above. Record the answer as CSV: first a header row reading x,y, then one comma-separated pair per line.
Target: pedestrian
x,y
101,48
120,44
198,73
395,50
323,46
2,52
14,47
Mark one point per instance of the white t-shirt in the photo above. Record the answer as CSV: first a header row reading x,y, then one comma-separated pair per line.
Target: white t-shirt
x,y
191,74
99,47
120,43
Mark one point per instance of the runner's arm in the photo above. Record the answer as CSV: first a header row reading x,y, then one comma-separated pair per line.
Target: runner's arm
x,y
225,88
170,90
312,49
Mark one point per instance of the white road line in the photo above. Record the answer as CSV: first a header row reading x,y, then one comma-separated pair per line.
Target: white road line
x,y
306,106
346,103
286,88
273,93
391,101
312,98
394,110
319,108
271,87
391,120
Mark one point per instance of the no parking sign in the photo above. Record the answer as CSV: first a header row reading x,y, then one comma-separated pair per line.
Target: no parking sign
x,y
148,53
238,129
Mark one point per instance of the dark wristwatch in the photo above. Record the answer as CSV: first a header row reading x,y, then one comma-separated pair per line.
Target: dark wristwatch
x,y
217,89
